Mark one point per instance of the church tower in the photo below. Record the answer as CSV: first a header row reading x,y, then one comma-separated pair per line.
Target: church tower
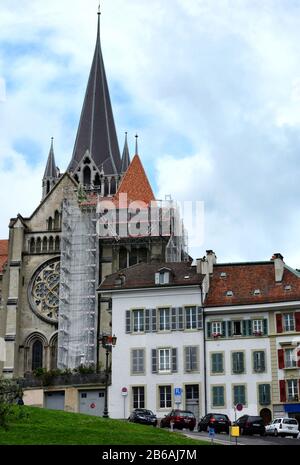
x,y
51,173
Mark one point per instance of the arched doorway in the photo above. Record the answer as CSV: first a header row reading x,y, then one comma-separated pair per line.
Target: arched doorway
x,y
266,415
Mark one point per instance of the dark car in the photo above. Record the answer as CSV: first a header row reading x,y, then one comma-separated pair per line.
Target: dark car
x,y
180,419
251,425
219,422
143,416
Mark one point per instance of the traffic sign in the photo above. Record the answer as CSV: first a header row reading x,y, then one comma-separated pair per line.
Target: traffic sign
x,y
124,391
178,392
239,407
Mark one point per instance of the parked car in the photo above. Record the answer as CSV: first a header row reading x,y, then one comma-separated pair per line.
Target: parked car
x,y
180,419
219,422
143,416
251,425
283,427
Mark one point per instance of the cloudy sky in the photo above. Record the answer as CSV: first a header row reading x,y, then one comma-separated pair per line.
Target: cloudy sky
x,y
211,86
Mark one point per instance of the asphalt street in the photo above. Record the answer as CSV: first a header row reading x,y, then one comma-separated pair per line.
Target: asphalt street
x,y
245,440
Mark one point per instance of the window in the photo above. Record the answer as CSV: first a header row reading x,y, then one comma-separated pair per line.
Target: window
x,y
216,327
138,321
217,363
257,326
165,397
162,277
191,358
138,361
191,317
238,362
37,355
164,319
290,359
237,328
289,322
239,395
138,397
264,393
164,358
218,397
292,385
259,363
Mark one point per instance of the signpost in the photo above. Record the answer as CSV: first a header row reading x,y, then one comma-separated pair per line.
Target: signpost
x,y
211,434
178,396
235,430
124,393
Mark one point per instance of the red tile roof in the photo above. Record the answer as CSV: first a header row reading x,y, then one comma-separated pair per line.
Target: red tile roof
x,y
244,278
3,254
136,184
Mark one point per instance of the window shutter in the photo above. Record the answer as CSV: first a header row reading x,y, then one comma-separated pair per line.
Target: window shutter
x,y
147,320
244,328
264,394
281,358
282,390
180,319
208,326
214,363
128,321
279,323
156,278
298,361
229,332
223,328
242,362
200,318
173,319
142,360
154,361
297,319
187,359
154,320
249,327
265,327
234,362
263,361
174,361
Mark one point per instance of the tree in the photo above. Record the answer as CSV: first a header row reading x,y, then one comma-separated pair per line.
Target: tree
x,y
10,394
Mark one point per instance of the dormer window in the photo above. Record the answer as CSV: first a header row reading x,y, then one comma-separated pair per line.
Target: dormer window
x,y
223,274
162,277
256,292
229,293
288,287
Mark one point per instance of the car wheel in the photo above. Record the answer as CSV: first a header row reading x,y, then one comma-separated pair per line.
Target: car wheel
x,y
295,436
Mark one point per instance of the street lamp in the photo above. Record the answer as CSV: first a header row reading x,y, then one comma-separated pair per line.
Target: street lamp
x,y
108,342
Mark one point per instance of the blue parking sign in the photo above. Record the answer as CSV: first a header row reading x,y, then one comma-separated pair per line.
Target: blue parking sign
x,y
178,392
211,432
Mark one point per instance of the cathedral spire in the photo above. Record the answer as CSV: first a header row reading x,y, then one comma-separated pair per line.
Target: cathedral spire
x,y
50,175
125,156
96,132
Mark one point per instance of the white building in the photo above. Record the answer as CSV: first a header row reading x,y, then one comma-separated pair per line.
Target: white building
x,y
158,319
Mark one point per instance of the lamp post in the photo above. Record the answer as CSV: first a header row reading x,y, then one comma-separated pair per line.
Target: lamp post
x,y
108,342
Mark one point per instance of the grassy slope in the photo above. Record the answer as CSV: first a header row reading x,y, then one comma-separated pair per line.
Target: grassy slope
x,y
48,427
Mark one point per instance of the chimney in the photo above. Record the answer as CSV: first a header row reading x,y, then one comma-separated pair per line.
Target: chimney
x,y
211,259
279,267
203,268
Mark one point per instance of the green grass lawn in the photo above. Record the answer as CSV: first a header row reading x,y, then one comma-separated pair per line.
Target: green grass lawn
x,y
49,427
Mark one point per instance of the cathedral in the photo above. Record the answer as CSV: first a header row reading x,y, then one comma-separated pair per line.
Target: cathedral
x,y
51,315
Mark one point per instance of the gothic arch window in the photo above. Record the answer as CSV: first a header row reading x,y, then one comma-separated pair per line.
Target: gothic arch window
x,y
48,187
38,245
57,244
32,245
97,181
76,178
45,244
51,244
53,352
87,176
113,186
106,187
50,224
56,220
37,355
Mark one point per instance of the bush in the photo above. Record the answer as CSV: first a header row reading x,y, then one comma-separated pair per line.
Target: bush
x,y
10,393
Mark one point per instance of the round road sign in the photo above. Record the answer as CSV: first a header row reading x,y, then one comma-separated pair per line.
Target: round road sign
x,y
239,407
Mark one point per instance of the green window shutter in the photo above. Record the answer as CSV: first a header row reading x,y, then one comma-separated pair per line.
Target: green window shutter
x,y
154,320
173,319
264,394
223,328
199,317
187,359
220,363
180,319
265,327
154,361
249,327
244,328
208,326
214,363
128,321
174,361
234,362
242,362
229,328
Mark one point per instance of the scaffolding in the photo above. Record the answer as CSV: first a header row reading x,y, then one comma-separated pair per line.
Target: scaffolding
x,y
77,343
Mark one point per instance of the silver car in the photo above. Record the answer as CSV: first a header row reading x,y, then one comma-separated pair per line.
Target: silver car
x,y
283,427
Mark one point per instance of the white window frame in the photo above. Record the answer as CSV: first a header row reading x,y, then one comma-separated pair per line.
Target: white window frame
x,y
290,358
292,388
165,360
140,327
140,390
216,327
165,311
289,322
165,400
257,326
191,317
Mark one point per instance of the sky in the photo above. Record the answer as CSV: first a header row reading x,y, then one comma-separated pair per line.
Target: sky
x,y
212,87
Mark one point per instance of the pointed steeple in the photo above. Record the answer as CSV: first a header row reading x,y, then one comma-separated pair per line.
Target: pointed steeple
x,y
125,156
50,175
96,131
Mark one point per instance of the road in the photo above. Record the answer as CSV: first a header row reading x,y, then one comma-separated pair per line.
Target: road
x,y
246,440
